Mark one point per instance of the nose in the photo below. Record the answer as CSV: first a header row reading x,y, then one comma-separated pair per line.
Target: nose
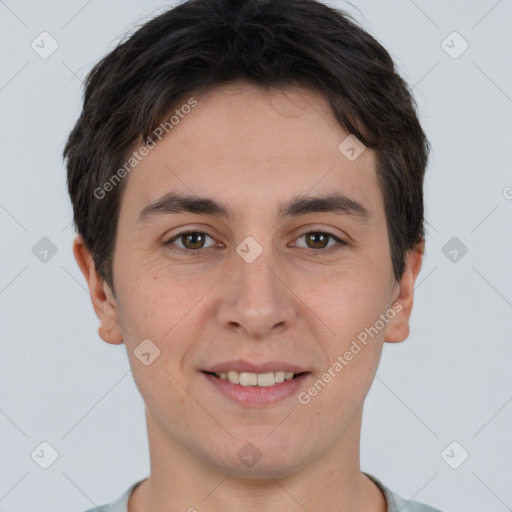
x,y
256,300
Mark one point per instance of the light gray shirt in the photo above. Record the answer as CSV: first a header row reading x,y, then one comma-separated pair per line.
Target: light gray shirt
x,y
395,502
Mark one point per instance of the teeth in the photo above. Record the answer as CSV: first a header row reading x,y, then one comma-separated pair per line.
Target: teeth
x,y
248,379
255,379
266,379
279,377
233,377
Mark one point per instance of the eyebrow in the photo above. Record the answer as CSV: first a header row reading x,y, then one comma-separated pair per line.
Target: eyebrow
x,y
176,202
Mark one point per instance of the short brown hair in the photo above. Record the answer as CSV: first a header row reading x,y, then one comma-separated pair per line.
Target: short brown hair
x,y
201,44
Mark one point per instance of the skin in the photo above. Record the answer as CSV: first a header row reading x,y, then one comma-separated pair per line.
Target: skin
x,y
252,150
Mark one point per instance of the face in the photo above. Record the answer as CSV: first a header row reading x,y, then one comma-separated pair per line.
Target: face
x,y
264,280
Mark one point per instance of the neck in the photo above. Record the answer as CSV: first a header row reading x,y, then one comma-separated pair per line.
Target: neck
x,y
182,481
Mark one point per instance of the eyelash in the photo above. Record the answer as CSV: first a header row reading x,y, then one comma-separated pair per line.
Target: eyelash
x,y
314,252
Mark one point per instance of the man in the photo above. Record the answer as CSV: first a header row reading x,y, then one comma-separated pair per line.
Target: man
x,y
246,178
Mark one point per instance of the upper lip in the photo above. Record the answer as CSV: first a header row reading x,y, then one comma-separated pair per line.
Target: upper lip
x,y
241,365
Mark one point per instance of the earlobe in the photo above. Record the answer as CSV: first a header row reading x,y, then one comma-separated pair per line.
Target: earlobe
x,y
102,299
398,329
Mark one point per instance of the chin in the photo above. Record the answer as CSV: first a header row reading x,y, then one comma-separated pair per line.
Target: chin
x,y
260,460
262,471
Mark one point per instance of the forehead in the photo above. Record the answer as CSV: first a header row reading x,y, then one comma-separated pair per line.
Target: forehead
x,y
242,141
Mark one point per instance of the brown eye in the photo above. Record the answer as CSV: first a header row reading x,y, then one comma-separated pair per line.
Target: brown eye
x,y
193,240
317,240
190,240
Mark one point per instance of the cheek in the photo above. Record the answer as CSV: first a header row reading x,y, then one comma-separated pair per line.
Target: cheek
x,y
351,305
169,310
154,301
157,331
352,353
348,302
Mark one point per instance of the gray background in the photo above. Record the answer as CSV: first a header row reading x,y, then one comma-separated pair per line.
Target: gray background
x,y
450,381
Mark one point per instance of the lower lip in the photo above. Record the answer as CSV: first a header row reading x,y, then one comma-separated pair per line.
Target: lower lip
x,y
257,395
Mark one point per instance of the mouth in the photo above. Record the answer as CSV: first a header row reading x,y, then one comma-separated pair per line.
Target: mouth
x,y
251,389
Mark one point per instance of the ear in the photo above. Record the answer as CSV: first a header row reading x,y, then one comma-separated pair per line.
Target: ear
x,y
102,298
398,328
